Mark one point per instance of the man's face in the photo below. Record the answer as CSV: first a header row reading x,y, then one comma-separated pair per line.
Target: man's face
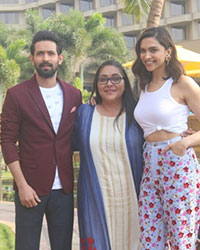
x,y
46,59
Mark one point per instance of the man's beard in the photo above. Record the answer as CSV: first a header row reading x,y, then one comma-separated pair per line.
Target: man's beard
x,y
46,73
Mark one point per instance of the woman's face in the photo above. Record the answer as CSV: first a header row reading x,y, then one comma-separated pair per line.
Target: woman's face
x,y
153,54
110,84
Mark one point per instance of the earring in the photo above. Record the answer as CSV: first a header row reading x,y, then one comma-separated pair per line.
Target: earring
x,y
167,59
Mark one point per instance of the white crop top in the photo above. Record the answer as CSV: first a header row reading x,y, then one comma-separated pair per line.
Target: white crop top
x,y
158,110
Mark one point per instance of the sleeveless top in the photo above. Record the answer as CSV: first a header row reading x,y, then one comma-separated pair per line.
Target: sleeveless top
x,y
158,110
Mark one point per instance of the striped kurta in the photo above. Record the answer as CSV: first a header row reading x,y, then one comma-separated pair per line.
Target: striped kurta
x,y
108,148
109,178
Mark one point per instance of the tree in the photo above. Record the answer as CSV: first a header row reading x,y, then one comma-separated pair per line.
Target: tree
x,y
86,42
9,73
155,13
140,8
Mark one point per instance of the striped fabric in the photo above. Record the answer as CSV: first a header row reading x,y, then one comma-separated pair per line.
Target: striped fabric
x,y
108,147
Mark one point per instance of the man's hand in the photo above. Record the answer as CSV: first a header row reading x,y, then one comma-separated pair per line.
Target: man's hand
x,y
28,196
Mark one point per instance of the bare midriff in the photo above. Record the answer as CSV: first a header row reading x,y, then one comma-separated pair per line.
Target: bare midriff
x,y
161,135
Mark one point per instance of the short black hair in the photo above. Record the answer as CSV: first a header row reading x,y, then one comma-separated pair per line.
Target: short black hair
x,y
46,35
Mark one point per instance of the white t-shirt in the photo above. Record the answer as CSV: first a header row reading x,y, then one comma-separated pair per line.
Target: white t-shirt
x,y
53,98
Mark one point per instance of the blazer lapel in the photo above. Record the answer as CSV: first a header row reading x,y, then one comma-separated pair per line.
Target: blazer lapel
x,y
38,99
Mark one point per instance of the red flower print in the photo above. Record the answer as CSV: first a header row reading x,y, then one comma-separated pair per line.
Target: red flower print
x,y
148,239
82,240
189,211
188,246
185,169
160,163
83,248
193,156
176,176
184,222
172,187
176,247
198,185
177,211
146,216
189,235
142,229
166,178
196,209
158,171
172,163
147,179
159,238
91,240
181,235
140,203
158,216
170,201
199,222
167,213
90,248
153,229
186,185
145,193
183,198
159,151
173,222
156,182
151,204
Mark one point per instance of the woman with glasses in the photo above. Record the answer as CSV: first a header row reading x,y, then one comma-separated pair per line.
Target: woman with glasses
x,y
170,188
110,144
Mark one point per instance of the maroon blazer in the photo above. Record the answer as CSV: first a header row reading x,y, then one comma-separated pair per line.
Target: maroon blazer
x,y
25,119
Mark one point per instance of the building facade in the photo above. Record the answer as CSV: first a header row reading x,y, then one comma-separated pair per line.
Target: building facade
x,y
182,17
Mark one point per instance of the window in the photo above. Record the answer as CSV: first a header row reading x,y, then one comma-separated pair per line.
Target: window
x,y
198,4
130,41
65,8
106,2
110,21
178,33
9,17
86,5
8,1
127,19
177,8
48,11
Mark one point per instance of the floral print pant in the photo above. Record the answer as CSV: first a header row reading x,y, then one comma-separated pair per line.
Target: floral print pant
x,y
169,203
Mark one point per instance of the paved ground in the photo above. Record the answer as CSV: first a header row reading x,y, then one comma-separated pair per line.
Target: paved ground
x,y
7,216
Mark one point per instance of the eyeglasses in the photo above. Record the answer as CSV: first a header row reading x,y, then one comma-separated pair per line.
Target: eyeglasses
x,y
115,79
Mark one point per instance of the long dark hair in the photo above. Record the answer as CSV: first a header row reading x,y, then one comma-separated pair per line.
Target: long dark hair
x,y
128,100
174,69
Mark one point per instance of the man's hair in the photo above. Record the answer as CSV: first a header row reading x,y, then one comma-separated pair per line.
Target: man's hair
x,y
46,35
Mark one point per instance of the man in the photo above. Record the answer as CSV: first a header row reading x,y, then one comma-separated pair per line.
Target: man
x,y
39,114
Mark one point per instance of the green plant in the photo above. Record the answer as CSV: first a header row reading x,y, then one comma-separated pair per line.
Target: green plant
x,y
7,238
